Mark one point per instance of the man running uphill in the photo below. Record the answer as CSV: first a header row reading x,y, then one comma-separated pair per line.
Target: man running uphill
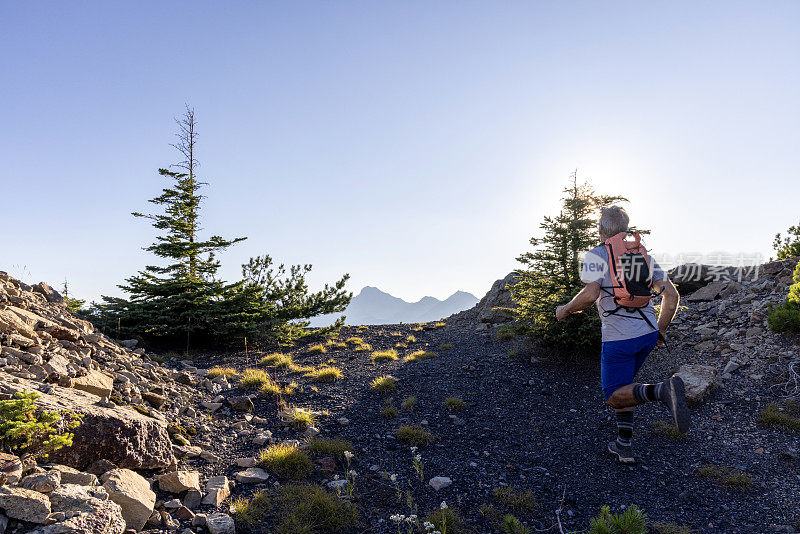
x,y
623,289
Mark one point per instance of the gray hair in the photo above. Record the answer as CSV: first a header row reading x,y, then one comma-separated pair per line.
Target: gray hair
x,y
613,220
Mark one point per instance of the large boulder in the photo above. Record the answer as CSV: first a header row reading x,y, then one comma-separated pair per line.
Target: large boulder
x,y
499,296
24,504
49,293
132,493
120,435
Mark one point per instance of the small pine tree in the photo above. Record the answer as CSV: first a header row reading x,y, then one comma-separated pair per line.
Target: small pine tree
x,y
789,246
550,275
24,431
73,304
631,521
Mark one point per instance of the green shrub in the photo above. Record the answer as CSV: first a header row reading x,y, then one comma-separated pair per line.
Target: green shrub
x,y
384,384
384,355
227,372
733,478
317,349
419,355
512,525
24,431
319,447
413,435
298,509
667,430
632,521
285,461
254,379
409,402
772,416
447,520
251,511
389,411
454,404
304,508
325,374
446,346
785,317
670,528
515,499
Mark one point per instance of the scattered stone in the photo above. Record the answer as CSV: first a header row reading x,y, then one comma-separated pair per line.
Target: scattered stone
x,y
179,481
132,493
699,380
96,383
10,468
439,483
192,499
252,475
42,482
246,462
242,404
217,490
344,421
210,457
72,497
220,524
24,504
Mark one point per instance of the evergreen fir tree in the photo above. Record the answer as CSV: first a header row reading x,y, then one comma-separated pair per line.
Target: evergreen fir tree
x,y
550,275
184,303
789,246
175,300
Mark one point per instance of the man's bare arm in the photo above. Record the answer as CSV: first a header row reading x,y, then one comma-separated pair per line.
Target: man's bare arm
x,y
669,304
587,296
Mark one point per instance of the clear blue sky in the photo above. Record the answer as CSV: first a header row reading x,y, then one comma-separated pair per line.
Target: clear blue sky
x,y
415,145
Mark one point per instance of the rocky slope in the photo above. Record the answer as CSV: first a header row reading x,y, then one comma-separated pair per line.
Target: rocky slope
x,y
165,447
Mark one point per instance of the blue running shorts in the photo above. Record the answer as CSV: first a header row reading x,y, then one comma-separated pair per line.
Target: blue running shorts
x,y
621,360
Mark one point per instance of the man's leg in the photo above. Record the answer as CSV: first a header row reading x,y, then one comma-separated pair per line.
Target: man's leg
x,y
617,368
670,391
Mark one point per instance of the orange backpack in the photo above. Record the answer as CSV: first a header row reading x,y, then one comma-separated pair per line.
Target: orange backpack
x,y
631,275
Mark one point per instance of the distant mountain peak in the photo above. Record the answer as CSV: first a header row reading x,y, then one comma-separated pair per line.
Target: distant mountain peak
x,y
373,306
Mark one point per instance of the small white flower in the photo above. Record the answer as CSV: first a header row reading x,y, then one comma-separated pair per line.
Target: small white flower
x,y
418,457
352,473
443,505
412,518
335,477
428,525
413,449
348,455
396,518
393,478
